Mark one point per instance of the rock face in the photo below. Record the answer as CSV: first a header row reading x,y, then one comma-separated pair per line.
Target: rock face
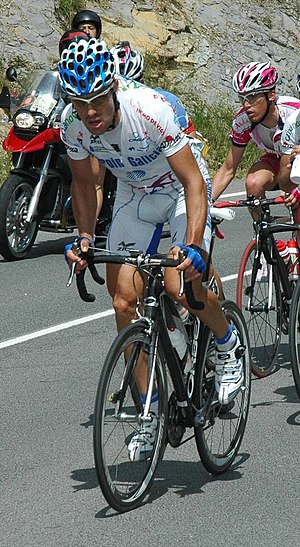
x,y
200,43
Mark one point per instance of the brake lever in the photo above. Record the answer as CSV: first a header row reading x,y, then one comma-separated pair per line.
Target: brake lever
x,y
76,249
182,256
72,272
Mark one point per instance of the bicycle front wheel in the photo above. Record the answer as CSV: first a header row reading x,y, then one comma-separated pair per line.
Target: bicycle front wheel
x,y
258,296
221,428
294,335
125,479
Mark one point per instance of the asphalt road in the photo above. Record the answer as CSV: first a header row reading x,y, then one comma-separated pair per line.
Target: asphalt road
x,y
52,347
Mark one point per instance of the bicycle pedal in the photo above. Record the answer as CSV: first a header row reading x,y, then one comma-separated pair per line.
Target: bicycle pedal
x,y
240,351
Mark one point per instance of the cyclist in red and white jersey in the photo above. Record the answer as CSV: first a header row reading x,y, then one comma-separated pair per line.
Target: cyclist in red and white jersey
x,y
260,121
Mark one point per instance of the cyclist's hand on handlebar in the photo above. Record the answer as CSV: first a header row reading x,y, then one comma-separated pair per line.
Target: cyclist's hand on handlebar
x,y
193,265
74,250
293,198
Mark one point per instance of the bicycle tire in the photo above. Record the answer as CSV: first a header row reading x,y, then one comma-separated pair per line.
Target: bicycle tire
x,y
264,324
219,437
294,335
125,483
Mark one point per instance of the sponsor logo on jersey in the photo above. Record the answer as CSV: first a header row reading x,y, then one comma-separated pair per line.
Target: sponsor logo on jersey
x,y
70,119
143,160
170,140
72,149
147,117
288,134
135,175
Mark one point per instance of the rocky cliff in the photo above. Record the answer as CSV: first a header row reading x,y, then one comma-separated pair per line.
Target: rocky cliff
x,y
199,43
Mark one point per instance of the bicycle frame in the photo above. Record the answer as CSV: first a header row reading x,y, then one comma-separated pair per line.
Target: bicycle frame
x,y
265,233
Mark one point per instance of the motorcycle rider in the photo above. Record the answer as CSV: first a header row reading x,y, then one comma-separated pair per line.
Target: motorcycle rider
x,y
133,132
88,21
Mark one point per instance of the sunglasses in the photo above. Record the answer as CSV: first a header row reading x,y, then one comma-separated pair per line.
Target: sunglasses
x,y
95,101
251,98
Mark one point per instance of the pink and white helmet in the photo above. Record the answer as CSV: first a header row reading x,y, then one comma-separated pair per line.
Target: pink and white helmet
x,y
255,77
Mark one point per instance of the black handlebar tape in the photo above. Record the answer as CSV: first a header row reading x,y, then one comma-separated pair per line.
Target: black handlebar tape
x,y
84,295
96,277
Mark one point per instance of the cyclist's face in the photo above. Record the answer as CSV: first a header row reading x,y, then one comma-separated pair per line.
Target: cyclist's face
x,y
255,105
98,112
89,28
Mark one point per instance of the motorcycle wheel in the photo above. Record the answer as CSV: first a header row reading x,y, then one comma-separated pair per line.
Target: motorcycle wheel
x,y
16,237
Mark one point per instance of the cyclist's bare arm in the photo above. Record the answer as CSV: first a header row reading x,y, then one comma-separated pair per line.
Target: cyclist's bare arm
x,y
98,177
84,194
226,172
186,169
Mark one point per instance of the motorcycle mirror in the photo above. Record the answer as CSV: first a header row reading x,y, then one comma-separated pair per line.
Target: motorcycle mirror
x,y
11,74
5,99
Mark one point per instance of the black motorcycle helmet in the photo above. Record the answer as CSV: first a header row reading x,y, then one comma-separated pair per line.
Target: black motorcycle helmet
x,y
72,35
87,16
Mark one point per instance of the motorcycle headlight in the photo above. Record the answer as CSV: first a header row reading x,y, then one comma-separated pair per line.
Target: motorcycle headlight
x,y
28,120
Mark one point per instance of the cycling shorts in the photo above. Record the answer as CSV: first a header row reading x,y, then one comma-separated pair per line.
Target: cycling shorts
x,y
272,160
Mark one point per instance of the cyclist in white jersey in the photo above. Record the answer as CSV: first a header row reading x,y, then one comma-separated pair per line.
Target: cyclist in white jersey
x,y
260,121
290,148
134,133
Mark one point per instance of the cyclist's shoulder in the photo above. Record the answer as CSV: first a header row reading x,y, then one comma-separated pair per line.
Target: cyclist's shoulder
x,y
241,122
69,115
287,104
241,117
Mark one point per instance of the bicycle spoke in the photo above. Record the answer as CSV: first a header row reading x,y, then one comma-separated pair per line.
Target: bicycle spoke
x,y
259,298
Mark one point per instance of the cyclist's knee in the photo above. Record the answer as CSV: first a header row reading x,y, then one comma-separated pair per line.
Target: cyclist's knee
x,y
257,187
254,187
123,305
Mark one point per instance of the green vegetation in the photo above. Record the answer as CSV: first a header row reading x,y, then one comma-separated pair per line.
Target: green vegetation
x,y
214,122
66,9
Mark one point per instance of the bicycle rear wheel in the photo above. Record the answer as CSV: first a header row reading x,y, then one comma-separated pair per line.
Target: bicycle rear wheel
x,y
119,415
258,296
222,427
294,335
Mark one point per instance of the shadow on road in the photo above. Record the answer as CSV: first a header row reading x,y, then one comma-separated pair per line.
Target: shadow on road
x,y
182,477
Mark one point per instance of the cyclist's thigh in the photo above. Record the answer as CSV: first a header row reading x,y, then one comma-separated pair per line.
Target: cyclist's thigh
x,y
123,283
262,174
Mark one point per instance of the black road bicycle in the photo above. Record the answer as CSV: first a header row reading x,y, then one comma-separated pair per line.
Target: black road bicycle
x,y
190,402
269,299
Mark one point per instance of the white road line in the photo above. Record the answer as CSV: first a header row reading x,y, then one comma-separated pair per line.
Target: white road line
x,y
56,328
70,324
87,319
232,195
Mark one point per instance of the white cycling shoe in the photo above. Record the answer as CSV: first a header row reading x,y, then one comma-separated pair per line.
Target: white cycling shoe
x,y
141,444
229,375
